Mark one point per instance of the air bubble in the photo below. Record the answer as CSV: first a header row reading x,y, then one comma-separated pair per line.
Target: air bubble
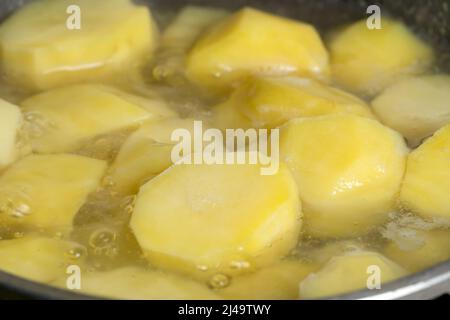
x,y
18,235
202,268
76,253
128,204
239,265
219,281
161,72
102,238
108,182
21,211
36,125
15,208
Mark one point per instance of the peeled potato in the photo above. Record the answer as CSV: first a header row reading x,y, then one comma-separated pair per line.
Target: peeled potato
x,y
346,273
366,61
254,42
37,258
431,248
322,254
228,115
278,282
426,187
270,102
179,37
150,101
135,283
57,122
41,52
46,191
146,153
348,170
415,107
201,219
10,123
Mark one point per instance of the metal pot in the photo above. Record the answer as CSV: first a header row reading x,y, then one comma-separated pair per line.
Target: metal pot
x,y
429,18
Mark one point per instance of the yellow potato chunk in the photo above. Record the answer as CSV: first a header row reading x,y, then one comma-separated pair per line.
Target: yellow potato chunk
x,y
150,101
202,219
351,272
415,107
38,258
255,42
179,37
278,282
41,50
270,102
322,254
228,115
10,123
146,153
62,119
429,248
348,170
426,187
46,191
135,283
365,61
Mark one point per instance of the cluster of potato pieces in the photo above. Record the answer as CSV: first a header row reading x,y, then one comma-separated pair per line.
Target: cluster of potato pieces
x,y
347,164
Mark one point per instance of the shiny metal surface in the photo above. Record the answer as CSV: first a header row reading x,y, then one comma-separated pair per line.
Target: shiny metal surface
x,y
430,18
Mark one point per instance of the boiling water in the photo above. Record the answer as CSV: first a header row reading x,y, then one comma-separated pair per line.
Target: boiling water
x,y
101,226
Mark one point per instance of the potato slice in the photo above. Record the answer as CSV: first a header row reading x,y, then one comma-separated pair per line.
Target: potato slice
x,y
270,102
112,35
146,153
320,255
152,101
348,170
57,122
228,115
428,249
136,283
179,37
366,61
426,187
38,258
10,123
46,191
200,219
351,272
243,44
415,107
278,282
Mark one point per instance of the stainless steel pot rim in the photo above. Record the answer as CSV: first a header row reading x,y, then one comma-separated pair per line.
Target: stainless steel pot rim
x,y
410,287
430,18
